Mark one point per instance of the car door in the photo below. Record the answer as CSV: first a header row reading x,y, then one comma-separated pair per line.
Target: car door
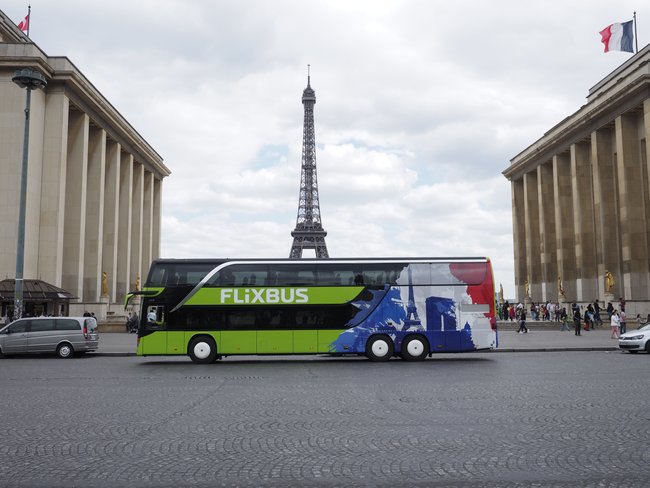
x,y
16,339
41,336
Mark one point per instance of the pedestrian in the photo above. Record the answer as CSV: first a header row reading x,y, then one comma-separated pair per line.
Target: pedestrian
x,y
565,319
621,318
511,313
615,323
522,322
610,309
576,319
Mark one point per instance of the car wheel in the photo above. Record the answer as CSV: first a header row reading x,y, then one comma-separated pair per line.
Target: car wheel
x,y
379,348
647,347
414,348
202,350
64,351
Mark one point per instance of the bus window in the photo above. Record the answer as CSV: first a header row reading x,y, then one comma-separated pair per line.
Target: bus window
x,y
296,275
156,317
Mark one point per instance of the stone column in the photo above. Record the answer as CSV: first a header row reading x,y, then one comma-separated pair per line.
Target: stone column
x,y
605,207
34,183
564,224
75,203
634,246
533,264
111,214
136,223
94,234
147,223
124,227
548,249
157,216
55,154
583,218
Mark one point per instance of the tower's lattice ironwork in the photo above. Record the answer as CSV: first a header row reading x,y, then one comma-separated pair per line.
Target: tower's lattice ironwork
x,y
309,232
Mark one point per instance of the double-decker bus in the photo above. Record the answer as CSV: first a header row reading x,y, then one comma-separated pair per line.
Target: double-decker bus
x,y
409,307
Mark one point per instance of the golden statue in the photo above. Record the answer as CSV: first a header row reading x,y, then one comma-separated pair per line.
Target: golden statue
x,y
560,288
609,282
500,293
104,284
137,283
526,289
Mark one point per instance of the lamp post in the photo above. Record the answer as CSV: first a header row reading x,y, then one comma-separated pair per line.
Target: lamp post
x,y
25,78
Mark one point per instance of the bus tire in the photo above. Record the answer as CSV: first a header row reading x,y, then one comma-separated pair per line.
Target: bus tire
x,y
414,348
202,349
379,348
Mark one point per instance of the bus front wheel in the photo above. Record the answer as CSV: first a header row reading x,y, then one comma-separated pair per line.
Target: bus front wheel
x,y
202,350
414,348
379,348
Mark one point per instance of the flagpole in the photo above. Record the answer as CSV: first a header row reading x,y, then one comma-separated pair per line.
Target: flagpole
x,y
636,38
29,18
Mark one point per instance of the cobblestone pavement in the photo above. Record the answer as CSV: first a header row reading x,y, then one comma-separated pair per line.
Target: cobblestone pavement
x,y
565,419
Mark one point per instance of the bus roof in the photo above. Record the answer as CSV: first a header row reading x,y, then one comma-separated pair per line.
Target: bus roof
x,y
409,259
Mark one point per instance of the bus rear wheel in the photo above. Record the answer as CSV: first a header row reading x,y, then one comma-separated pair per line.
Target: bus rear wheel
x,y
202,350
414,348
379,348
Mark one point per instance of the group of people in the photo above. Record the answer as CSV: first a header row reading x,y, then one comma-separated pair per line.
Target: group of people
x,y
582,320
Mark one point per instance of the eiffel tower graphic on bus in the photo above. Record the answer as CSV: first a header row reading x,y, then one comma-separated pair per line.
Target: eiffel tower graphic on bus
x,y
412,321
309,232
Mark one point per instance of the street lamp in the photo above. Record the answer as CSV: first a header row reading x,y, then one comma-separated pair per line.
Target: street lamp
x,y
25,78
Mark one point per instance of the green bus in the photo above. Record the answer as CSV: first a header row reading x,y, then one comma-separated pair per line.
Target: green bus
x,y
377,307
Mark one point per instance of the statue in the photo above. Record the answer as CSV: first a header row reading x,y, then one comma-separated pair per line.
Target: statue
x,y
609,282
104,284
500,293
526,289
560,288
137,283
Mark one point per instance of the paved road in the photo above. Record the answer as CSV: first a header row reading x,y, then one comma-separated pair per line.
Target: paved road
x,y
560,419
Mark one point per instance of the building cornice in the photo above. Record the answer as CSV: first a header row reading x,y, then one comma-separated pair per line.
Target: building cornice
x,y
62,74
620,92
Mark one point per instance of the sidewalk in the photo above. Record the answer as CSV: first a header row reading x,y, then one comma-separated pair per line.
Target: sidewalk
x,y
543,336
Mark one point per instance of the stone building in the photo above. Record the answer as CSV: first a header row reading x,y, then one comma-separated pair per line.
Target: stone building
x,y
581,198
94,184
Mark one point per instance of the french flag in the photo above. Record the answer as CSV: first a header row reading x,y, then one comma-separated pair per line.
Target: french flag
x,y
618,37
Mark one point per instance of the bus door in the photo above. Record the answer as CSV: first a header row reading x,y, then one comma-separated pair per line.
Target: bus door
x,y
477,332
154,320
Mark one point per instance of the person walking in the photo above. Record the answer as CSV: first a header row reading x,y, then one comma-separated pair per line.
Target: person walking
x,y
522,323
565,320
621,318
616,324
576,319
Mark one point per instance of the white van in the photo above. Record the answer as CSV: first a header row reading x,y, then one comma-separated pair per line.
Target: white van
x,y
65,336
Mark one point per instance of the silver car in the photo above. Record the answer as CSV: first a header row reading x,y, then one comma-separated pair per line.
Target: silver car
x,y
64,336
636,340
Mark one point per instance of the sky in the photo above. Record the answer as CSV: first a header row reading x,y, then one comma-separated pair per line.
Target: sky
x,y
420,106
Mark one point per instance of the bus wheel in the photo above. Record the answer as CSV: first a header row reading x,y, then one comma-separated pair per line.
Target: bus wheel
x,y
414,348
379,348
202,349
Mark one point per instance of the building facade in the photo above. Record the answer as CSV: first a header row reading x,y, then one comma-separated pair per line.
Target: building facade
x,y
94,185
581,199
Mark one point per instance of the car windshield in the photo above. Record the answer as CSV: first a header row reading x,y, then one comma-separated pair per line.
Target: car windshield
x,y
645,327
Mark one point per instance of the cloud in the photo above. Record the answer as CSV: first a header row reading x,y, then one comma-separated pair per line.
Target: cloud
x,y
420,106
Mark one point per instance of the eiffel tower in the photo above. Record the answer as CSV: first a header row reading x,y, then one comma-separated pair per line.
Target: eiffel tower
x,y
309,232
412,319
